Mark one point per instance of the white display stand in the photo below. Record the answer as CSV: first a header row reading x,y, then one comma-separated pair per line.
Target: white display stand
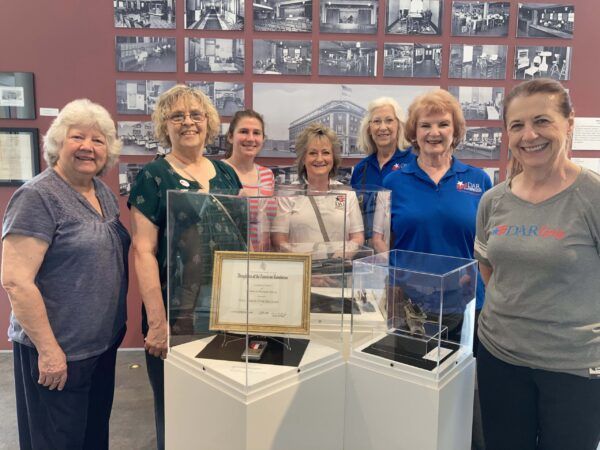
x,y
209,404
394,406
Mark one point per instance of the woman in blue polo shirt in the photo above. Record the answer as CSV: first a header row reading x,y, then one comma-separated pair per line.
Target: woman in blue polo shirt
x,y
382,139
435,196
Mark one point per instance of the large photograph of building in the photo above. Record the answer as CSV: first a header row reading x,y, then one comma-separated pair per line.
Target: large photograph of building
x,y
345,58
414,17
349,16
292,16
214,15
289,108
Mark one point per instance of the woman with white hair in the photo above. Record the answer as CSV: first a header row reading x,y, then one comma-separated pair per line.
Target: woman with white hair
x,y
381,137
64,267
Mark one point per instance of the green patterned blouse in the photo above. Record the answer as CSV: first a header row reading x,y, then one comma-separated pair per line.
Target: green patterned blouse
x,y
203,224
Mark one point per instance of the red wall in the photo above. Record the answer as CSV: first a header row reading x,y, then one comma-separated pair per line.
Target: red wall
x,y
69,46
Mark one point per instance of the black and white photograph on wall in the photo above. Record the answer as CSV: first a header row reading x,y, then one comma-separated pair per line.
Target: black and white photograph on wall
x,y
209,55
227,97
480,143
414,17
546,20
138,139
220,145
287,110
292,16
281,57
214,15
486,62
474,18
412,60
127,174
345,58
17,96
349,16
284,174
493,173
144,13
541,61
140,96
145,54
479,103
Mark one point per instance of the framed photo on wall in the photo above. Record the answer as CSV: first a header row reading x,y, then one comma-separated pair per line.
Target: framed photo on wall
x,y
19,155
17,97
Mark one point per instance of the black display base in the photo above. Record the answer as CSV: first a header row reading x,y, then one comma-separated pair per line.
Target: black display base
x,y
277,352
324,304
407,350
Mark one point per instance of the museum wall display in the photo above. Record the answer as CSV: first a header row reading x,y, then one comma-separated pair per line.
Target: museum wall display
x,y
294,62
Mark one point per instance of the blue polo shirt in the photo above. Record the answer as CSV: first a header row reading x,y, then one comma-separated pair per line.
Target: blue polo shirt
x,y
437,218
368,169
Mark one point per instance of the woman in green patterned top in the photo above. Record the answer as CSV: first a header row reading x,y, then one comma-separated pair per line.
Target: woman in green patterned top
x,y
185,120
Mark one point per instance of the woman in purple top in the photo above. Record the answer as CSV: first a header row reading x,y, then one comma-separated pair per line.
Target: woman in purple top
x,y
64,267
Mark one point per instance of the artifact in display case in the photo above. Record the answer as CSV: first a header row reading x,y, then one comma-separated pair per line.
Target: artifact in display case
x,y
229,304
429,305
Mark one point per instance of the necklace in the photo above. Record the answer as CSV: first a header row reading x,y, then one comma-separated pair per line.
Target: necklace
x,y
181,166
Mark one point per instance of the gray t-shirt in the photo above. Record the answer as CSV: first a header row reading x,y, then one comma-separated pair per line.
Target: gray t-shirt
x,y
542,303
83,277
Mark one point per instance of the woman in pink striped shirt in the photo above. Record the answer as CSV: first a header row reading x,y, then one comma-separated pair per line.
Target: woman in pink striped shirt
x,y
246,136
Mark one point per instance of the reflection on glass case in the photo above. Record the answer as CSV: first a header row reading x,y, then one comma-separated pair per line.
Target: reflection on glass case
x,y
427,304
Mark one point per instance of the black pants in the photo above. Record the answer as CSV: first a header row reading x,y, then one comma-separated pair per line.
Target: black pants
x,y
155,368
525,408
76,417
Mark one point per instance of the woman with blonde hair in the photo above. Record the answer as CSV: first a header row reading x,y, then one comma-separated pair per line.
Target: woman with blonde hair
x,y
185,120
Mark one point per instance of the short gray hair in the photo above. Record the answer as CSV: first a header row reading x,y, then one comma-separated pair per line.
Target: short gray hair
x,y
82,113
365,141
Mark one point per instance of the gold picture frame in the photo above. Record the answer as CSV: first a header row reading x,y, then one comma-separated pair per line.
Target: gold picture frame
x,y
277,285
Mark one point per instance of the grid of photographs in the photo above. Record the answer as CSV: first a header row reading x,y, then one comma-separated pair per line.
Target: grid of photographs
x,y
472,57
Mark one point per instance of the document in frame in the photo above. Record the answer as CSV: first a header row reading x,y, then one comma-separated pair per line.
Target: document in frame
x,y
261,292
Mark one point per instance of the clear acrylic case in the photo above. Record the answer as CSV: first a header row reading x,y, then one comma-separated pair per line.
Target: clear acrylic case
x,y
426,310
248,278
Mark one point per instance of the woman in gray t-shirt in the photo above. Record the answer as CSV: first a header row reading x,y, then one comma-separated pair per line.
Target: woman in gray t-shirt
x,y
538,244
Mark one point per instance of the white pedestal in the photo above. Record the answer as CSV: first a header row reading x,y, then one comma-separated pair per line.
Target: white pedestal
x,y
213,404
401,407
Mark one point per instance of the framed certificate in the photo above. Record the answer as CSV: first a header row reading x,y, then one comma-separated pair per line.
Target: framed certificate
x,y
19,155
260,292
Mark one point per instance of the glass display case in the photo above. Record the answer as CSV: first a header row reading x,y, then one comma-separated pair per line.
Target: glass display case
x,y
426,305
250,276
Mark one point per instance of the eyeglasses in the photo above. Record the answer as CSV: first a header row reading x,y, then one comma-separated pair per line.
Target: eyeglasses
x,y
378,122
195,116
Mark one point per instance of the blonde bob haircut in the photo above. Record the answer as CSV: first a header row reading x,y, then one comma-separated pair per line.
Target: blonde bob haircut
x,y
438,101
82,113
164,108
316,131
365,140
